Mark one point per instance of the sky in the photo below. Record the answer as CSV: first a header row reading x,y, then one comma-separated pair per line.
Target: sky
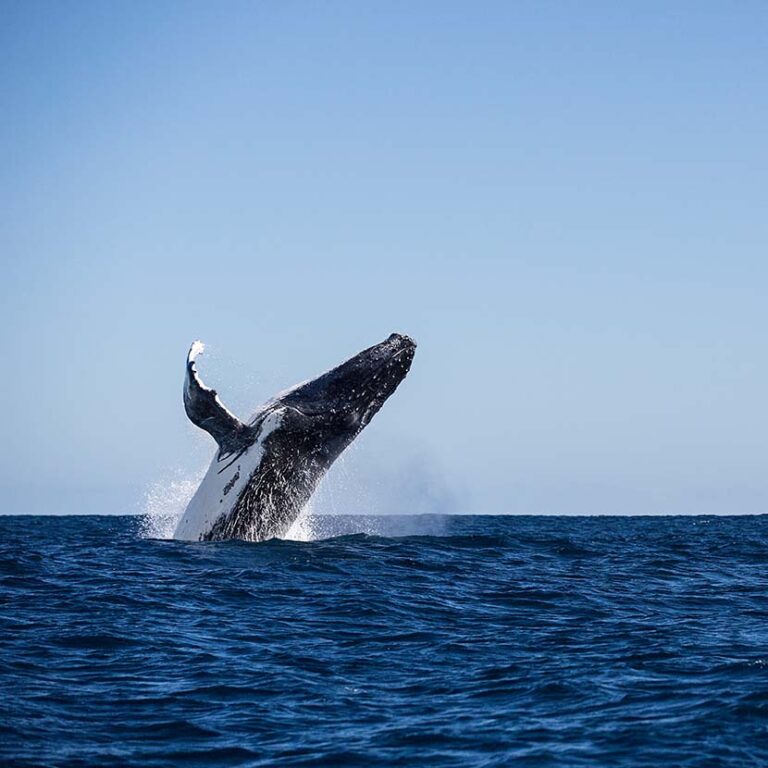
x,y
564,204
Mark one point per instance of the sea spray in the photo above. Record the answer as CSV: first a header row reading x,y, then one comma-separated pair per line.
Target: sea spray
x,y
344,504
164,504
303,527
338,491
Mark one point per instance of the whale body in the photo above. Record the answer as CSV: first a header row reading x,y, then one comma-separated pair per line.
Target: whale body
x,y
265,470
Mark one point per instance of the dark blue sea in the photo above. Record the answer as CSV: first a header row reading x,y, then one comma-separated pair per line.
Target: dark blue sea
x,y
446,641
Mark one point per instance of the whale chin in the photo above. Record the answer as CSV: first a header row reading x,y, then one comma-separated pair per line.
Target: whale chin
x,y
265,471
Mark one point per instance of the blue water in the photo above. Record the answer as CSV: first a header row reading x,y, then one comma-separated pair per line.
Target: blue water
x,y
460,641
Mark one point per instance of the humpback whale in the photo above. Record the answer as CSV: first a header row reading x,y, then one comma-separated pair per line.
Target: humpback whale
x,y
266,469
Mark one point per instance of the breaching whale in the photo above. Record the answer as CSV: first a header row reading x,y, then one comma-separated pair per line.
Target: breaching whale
x,y
265,470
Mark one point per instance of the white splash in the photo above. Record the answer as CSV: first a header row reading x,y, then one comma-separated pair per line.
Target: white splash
x,y
342,505
164,504
304,526
318,520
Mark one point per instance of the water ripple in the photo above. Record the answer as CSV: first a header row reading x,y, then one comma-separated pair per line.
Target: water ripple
x,y
423,641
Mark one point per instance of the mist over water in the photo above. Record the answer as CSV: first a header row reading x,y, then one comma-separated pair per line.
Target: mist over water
x,y
399,498
164,504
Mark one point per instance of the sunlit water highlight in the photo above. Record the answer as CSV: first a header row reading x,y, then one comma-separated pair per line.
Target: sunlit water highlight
x,y
437,641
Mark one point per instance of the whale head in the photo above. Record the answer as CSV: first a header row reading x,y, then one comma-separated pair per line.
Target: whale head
x,y
338,404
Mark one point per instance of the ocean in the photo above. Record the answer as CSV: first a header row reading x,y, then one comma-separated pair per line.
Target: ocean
x,y
418,641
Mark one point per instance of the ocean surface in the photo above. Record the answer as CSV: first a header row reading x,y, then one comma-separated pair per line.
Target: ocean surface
x,y
455,641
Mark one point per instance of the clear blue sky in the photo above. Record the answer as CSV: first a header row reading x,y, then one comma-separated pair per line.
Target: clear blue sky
x,y
564,203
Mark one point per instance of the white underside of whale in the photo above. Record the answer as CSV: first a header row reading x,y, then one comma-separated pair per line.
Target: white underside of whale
x,y
222,485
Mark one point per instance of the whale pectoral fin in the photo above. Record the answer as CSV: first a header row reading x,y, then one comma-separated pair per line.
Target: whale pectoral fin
x,y
206,411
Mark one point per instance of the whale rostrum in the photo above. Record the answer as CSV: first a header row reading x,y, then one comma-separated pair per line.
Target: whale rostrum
x,y
265,470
